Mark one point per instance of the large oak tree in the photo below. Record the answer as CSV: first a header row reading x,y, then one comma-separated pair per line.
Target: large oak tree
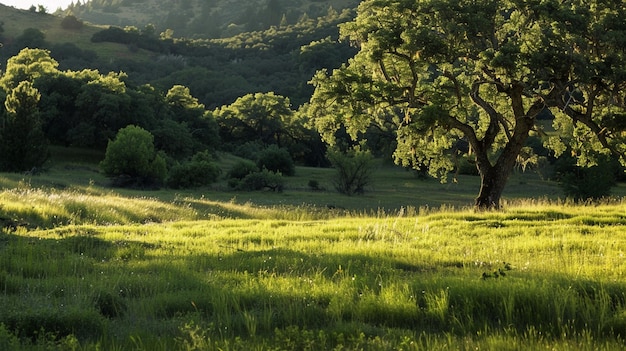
x,y
444,72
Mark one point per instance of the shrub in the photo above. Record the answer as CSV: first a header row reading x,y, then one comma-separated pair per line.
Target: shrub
x,y
582,183
242,169
249,150
354,170
71,22
131,159
276,159
201,170
262,180
8,340
314,185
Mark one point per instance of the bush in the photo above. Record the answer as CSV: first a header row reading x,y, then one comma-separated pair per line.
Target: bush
x,y
242,169
276,159
249,150
71,22
354,170
262,180
131,159
314,185
583,183
201,170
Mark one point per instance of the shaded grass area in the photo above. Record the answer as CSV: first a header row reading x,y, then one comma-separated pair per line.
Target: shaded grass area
x,y
531,276
392,189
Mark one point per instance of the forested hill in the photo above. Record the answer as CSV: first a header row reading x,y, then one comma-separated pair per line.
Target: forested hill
x,y
203,18
280,59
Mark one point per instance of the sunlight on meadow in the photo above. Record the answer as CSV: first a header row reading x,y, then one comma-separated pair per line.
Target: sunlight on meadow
x,y
107,272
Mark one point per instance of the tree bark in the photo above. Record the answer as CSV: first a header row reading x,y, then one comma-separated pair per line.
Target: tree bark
x,y
492,185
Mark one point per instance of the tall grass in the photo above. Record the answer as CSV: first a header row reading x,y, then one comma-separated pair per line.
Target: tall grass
x,y
97,270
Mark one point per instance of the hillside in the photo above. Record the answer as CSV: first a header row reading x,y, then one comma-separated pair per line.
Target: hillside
x,y
204,19
14,22
217,71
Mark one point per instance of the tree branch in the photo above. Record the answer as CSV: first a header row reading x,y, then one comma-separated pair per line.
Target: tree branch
x,y
494,117
457,88
555,99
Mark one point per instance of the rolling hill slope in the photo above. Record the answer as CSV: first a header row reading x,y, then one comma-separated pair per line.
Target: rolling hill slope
x,y
195,18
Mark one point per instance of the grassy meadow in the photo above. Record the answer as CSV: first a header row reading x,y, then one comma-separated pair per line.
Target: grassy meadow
x,y
407,266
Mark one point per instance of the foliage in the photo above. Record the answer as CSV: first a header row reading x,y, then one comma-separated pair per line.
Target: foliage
x,y
132,159
249,150
436,72
258,117
104,107
263,179
200,170
584,182
79,110
72,23
28,65
86,108
174,138
246,175
23,145
267,119
354,170
222,70
31,38
241,169
213,18
276,160
465,165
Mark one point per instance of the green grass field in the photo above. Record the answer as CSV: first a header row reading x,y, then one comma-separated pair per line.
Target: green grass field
x,y
407,266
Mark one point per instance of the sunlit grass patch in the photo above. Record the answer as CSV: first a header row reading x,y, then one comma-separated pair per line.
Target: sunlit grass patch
x,y
48,208
209,274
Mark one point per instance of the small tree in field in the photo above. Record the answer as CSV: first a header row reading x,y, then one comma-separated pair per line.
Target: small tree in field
x,y
131,159
354,170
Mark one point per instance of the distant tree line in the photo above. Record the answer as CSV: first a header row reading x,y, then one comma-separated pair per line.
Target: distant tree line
x,y
205,18
217,71
44,105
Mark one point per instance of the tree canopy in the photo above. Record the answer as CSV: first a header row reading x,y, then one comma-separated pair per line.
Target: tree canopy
x,y
441,73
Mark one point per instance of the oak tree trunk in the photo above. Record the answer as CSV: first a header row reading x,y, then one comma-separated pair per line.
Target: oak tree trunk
x,y
492,185
494,177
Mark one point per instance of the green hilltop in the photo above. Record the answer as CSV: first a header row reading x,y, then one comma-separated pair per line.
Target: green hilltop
x,y
193,18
